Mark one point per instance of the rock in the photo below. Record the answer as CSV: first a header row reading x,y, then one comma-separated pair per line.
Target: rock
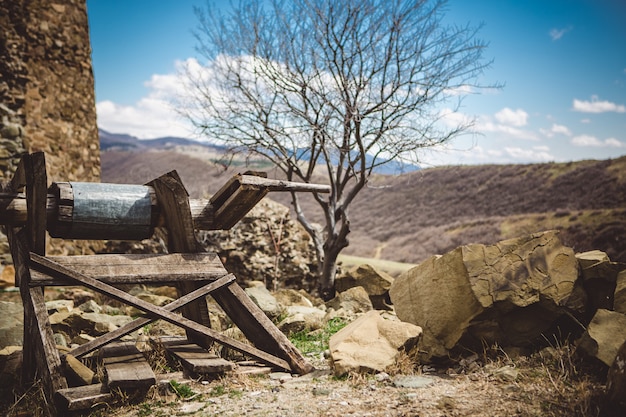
x,y
300,318
11,324
510,293
264,299
290,297
376,283
370,343
599,276
80,373
59,306
78,295
90,306
616,384
354,301
7,276
619,299
605,334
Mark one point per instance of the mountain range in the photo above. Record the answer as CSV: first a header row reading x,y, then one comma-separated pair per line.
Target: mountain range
x,y
412,216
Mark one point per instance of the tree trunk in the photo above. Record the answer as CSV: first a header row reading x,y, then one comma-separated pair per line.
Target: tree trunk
x,y
329,271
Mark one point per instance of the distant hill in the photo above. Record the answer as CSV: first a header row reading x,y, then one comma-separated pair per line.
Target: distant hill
x,y
412,216
119,141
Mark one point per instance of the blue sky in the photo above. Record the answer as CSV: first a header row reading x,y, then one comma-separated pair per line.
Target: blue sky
x,y
562,63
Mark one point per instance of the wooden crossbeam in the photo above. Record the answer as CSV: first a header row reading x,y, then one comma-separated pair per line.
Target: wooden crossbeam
x,y
137,268
51,267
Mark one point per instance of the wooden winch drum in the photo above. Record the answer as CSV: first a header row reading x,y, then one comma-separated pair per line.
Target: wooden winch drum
x,y
102,211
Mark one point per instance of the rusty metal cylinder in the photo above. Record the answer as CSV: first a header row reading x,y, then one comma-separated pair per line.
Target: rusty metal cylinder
x,y
102,211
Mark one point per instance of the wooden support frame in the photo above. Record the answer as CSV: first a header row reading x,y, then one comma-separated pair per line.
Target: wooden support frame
x,y
196,274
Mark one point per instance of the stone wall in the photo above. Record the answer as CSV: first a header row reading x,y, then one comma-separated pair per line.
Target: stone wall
x,y
47,99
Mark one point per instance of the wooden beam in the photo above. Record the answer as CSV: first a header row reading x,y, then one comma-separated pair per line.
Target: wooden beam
x,y
137,268
126,367
84,397
13,210
157,312
196,359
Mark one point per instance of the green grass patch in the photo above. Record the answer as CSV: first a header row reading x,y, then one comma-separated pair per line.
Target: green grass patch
x,y
317,341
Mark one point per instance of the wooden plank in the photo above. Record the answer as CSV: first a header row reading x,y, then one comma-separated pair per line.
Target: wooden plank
x,y
137,268
126,367
192,326
173,200
237,205
140,322
258,328
196,359
83,398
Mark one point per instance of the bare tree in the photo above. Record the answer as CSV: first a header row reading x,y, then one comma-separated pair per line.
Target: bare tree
x,y
334,86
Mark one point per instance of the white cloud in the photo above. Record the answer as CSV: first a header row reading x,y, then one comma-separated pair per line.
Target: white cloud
x,y
592,141
556,129
597,106
557,34
152,116
510,117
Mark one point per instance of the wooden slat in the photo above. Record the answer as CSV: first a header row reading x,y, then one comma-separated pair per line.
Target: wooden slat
x,y
103,288
140,322
196,359
126,367
83,398
137,268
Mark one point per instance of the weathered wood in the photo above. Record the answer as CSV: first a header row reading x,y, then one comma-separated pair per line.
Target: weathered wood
x,y
126,367
48,266
140,322
88,210
36,198
13,210
196,359
233,202
137,268
174,202
258,328
83,398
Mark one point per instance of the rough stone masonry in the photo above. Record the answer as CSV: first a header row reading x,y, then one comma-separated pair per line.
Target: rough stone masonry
x,y
47,99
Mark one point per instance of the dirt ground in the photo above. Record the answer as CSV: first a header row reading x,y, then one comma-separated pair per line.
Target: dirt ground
x,y
536,386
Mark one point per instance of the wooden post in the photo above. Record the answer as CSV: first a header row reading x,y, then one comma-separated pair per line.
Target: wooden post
x,y
40,355
174,202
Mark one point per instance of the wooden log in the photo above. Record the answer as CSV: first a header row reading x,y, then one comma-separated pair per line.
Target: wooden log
x,y
48,266
126,367
13,210
196,359
136,268
83,398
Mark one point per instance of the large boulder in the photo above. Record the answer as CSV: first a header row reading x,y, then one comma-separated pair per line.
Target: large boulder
x,y
605,334
375,282
511,293
370,343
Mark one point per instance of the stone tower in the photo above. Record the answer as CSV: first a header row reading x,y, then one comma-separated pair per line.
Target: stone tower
x,y
47,100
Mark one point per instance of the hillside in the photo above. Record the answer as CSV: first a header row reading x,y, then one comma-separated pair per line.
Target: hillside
x,y
415,215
